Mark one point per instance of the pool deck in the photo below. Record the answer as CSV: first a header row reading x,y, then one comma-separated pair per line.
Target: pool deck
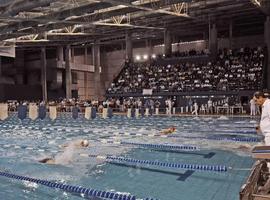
x,y
190,115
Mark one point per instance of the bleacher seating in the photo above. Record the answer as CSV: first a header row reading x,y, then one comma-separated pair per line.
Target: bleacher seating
x,y
233,70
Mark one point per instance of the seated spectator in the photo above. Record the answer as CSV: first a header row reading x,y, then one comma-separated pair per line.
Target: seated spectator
x,y
234,70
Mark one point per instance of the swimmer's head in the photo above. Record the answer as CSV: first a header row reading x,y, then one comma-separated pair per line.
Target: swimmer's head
x,y
85,143
47,161
173,128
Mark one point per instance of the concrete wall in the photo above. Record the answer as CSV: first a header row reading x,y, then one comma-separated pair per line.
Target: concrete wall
x,y
248,41
27,72
85,85
20,92
111,63
85,80
251,41
27,64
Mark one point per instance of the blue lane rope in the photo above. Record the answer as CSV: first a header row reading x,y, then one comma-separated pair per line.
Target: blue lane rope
x,y
140,134
230,131
156,146
123,160
234,139
162,146
218,138
88,192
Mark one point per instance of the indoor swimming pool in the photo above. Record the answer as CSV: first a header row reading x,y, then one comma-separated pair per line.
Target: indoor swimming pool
x,y
203,159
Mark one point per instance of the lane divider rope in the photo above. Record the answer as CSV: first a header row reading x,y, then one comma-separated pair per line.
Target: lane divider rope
x,y
88,192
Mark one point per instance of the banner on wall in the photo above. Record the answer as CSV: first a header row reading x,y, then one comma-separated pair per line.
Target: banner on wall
x,y
147,91
7,51
3,111
52,112
42,112
87,113
33,111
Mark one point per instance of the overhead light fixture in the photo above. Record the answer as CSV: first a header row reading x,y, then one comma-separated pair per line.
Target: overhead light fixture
x,y
145,57
138,57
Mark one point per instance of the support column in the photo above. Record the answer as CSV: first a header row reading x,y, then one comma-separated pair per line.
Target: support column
x,y
205,38
267,42
85,55
0,66
149,46
20,68
72,55
96,63
85,74
231,34
129,47
167,43
213,41
68,72
86,85
44,74
60,53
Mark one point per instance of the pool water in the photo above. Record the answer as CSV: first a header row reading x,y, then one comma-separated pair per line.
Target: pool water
x,y
23,143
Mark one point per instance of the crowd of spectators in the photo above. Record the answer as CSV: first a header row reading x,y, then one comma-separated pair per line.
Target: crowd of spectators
x,y
194,106
184,54
233,70
190,53
66,105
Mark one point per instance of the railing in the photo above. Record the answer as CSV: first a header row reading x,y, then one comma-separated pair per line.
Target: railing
x,y
176,60
191,93
251,186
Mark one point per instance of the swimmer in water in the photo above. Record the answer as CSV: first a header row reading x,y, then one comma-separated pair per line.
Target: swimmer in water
x,y
246,148
67,155
77,144
168,131
258,130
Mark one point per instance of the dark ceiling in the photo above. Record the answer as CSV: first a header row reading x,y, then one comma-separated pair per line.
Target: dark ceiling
x,y
76,22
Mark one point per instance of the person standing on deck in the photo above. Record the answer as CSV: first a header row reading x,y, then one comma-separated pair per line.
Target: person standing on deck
x,y
261,100
196,108
169,102
252,107
210,106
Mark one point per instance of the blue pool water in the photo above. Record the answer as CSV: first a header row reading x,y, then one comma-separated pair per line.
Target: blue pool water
x,y
23,143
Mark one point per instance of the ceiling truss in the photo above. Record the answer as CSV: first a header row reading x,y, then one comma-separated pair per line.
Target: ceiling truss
x,y
88,20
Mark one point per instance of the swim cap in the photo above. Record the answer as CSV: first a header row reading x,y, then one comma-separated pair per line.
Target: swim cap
x,y
85,143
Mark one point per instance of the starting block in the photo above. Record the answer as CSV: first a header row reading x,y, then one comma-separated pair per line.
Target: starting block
x,y
261,152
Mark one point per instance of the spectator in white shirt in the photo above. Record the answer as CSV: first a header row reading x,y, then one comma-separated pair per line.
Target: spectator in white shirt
x,y
196,107
261,100
252,107
210,106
